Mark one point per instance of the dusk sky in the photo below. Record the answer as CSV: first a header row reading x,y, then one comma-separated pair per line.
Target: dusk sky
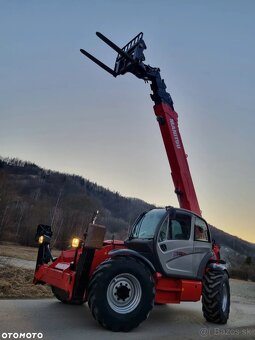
x,y
64,113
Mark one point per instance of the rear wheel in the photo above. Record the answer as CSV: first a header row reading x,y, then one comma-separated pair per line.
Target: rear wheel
x,y
216,297
121,293
62,296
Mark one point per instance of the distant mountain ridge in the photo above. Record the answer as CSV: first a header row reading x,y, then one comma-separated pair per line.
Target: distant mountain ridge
x,y
237,244
30,195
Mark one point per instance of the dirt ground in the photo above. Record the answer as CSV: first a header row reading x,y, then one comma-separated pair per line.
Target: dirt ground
x,y
242,291
17,283
17,265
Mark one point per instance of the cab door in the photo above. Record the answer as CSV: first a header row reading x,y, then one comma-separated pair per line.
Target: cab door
x,y
202,244
174,245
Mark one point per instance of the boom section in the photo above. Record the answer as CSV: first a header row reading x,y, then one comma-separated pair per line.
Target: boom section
x,y
131,59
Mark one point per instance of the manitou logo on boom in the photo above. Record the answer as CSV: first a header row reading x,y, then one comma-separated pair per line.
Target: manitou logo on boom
x,y
176,138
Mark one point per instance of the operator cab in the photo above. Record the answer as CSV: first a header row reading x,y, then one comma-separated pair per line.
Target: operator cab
x,y
176,241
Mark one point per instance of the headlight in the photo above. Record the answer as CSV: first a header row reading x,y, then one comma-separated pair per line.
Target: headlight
x,y
41,239
75,242
44,239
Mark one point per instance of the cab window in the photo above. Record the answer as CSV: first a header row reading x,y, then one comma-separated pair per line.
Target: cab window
x,y
201,231
179,228
145,227
175,229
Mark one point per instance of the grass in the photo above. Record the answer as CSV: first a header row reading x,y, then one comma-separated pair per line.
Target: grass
x,y
21,252
18,283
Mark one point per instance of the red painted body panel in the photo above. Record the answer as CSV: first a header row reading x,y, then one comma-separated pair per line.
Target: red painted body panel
x,y
58,273
102,254
172,290
191,290
177,158
54,276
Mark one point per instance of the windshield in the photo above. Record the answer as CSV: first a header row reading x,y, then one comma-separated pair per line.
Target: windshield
x,y
145,227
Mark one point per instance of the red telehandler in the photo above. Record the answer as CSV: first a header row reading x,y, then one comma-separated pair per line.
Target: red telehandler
x,y
169,255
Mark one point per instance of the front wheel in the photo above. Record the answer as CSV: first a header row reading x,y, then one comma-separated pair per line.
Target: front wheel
x,y
216,297
121,293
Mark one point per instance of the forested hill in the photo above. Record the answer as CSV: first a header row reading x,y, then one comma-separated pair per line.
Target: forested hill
x,y
30,195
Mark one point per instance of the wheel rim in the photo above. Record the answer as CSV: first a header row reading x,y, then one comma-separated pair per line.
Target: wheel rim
x,y
224,297
124,293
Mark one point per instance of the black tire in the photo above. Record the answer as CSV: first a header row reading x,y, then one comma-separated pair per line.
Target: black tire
x,y
159,304
121,293
216,297
62,296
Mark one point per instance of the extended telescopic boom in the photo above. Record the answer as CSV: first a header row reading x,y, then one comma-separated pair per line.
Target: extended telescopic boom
x,y
131,59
